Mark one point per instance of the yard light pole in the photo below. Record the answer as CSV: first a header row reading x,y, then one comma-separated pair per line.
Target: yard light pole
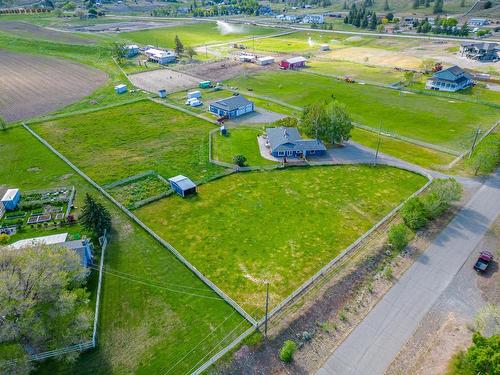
x,y
378,143
478,130
267,308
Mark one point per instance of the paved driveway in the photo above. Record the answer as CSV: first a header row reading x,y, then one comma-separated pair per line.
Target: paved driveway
x,y
375,342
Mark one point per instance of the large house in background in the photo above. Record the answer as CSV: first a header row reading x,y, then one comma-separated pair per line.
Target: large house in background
x,y
451,80
287,142
83,248
480,51
234,106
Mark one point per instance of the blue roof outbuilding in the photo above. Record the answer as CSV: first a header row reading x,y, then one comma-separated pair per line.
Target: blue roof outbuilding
x,y
284,141
182,185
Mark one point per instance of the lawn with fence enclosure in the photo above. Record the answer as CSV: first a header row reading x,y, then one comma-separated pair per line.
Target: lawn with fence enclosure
x,y
280,226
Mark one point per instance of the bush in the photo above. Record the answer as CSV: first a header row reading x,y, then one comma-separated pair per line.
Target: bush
x,y
4,238
287,351
388,273
398,237
414,214
239,160
483,357
441,194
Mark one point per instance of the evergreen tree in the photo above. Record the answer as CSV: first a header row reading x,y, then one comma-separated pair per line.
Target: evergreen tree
x,y
416,4
95,217
386,5
345,5
438,7
427,3
373,21
179,47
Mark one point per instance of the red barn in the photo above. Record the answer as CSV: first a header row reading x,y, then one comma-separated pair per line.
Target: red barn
x,y
293,63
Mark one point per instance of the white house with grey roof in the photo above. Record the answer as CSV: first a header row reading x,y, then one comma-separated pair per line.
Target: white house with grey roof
x,y
287,142
481,51
234,106
450,80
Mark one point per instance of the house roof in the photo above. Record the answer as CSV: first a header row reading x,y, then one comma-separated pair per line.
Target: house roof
x,y
289,139
158,53
266,58
77,246
45,240
9,195
482,46
295,60
231,103
183,182
453,74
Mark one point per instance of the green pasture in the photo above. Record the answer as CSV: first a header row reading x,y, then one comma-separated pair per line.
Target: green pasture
x,y
196,34
156,316
123,141
239,141
433,119
279,226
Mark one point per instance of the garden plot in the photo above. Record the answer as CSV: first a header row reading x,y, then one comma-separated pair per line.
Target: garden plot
x,y
279,226
34,85
166,79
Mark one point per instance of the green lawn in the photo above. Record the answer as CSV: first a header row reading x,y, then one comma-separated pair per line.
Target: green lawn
x,y
281,225
358,72
133,139
194,34
409,152
427,118
298,42
239,141
156,316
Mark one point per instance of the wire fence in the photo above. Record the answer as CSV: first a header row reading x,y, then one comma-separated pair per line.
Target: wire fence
x,y
134,218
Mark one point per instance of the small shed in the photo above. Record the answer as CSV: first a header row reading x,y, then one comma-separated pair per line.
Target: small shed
x,y
205,84
182,185
293,63
131,50
121,89
223,130
11,199
268,60
324,47
162,93
194,94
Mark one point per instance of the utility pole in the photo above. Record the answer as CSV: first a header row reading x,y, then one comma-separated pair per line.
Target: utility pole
x,y
378,143
478,130
267,308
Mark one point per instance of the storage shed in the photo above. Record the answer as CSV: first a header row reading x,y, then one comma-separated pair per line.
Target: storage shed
x,y
162,93
205,84
120,89
293,63
231,107
182,185
11,199
193,94
324,47
131,50
268,60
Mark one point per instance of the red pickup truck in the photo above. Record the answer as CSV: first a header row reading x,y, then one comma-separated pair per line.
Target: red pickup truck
x,y
483,261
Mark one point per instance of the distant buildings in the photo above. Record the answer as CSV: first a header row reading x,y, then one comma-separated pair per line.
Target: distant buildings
x,y
480,51
267,60
231,107
450,80
160,56
83,248
313,18
131,50
287,142
478,22
293,63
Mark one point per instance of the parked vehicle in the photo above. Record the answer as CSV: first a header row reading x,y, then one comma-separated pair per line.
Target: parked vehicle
x,y
484,260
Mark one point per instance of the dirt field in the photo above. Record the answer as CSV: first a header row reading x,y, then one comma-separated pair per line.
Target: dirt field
x,y
34,85
24,29
123,26
220,70
167,79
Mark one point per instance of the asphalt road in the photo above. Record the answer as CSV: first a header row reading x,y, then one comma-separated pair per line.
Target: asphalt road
x,y
376,341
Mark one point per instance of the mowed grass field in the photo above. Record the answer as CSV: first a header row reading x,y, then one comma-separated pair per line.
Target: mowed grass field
x,y
432,119
156,316
196,34
119,142
239,141
279,226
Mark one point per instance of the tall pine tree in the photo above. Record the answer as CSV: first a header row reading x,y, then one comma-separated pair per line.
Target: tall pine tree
x,y
179,47
95,217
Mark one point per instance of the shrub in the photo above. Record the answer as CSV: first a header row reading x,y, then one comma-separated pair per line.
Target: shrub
x,y
481,358
441,194
4,238
413,213
388,273
239,160
287,351
398,237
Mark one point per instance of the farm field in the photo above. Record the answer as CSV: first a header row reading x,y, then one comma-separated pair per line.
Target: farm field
x,y
358,72
133,139
241,230
239,141
432,119
154,311
193,35
29,88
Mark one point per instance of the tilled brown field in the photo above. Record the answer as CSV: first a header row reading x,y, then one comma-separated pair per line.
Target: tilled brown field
x,y
35,85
